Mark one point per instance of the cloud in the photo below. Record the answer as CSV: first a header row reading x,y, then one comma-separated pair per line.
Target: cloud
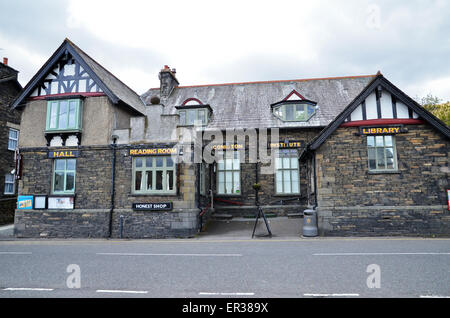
x,y
216,42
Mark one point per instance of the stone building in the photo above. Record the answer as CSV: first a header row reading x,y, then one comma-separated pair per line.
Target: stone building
x,y
98,160
9,136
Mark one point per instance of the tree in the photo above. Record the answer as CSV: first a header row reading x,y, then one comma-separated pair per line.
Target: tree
x,y
435,106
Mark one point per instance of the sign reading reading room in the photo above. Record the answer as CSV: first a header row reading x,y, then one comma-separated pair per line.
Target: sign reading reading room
x,y
381,130
153,151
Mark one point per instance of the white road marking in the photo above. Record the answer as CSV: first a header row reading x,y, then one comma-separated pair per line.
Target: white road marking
x,y
32,289
226,294
331,295
122,291
364,254
15,253
433,296
164,254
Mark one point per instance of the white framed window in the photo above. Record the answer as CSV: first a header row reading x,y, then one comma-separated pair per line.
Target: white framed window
x,y
13,139
9,183
154,175
287,172
188,117
64,171
294,111
229,174
382,154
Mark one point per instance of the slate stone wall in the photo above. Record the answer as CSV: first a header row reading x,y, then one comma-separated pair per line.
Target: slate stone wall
x,y
92,202
267,196
411,201
8,91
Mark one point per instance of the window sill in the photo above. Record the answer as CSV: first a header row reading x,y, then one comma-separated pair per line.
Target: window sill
x,y
286,195
237,195
56,131
153,194
384,172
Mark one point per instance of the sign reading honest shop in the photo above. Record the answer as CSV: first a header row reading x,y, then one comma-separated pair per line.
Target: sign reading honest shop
x,y
153,206
385,130
64,154
153,151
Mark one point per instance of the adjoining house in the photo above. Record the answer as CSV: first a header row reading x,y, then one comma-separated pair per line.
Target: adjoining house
x,y
98,160
9,137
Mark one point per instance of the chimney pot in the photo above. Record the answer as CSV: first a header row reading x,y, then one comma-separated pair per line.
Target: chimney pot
x,y
5,60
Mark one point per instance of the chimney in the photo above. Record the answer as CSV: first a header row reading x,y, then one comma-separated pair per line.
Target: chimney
x,y
168,81
5,60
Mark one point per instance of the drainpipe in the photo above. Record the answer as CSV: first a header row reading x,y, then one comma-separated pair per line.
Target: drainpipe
x,y
113,179
315,179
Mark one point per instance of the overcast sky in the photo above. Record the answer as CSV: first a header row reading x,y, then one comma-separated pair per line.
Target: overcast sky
x,y
212,41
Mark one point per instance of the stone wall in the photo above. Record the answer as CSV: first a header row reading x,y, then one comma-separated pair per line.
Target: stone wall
x,y
78,223
8,118
92,203
267,196
411,201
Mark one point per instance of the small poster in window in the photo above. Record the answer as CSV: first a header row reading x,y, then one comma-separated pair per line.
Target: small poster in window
x,y
60,202
40,202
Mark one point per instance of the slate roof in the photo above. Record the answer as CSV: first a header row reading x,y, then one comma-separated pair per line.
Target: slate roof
x,y
247,105
121,90
115,89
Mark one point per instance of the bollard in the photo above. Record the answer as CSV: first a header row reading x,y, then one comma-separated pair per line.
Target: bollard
x,y
121,226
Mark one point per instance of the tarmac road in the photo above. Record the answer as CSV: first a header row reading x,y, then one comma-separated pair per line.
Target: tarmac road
x,y
226,267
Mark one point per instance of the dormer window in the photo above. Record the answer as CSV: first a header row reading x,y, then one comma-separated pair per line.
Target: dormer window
x,y
295,110
294,107
192,112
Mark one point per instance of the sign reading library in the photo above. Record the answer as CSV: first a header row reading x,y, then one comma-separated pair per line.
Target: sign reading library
x,y
381,130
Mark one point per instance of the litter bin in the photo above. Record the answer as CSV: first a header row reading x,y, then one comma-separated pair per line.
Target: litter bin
x,y
310,223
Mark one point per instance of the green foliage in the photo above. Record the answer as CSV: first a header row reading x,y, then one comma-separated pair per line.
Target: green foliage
x,y
435,106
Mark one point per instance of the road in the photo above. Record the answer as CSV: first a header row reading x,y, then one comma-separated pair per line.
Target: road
x,y
258,268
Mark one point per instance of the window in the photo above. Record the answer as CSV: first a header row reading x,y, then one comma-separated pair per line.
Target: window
x,y
286,172
64,115
381,153
295,111
64,176
154,175
13,139
189,116
229,174
9,184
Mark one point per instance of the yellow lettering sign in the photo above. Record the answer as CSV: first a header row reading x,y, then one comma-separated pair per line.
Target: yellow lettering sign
x,y
380,130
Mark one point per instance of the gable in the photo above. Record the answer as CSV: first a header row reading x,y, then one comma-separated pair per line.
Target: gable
x,y
381,104
71,71
67,76
394,107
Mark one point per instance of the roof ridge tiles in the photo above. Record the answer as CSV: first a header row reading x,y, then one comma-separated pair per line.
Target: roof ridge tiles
x,y
277,81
